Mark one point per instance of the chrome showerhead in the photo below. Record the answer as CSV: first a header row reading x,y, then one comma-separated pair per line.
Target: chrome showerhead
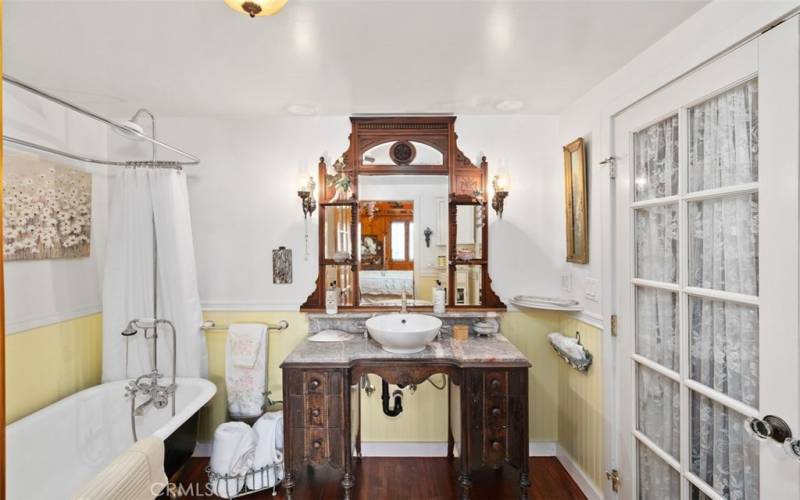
x,y
131,129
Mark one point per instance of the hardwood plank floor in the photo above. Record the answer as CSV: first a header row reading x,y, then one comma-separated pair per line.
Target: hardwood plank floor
x,y
410,478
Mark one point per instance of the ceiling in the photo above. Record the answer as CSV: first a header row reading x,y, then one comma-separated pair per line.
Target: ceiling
x,y
199,58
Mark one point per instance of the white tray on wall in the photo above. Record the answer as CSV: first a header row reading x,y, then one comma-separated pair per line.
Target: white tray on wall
x,y
546,303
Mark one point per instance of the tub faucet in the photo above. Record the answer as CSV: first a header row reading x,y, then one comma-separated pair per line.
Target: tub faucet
x,y
157,395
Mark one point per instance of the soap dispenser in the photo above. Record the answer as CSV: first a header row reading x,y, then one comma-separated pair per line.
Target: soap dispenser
x,y
332,299
438,298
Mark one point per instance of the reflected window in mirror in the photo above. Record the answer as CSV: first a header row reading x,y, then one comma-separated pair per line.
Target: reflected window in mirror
x,y
338,225
469,232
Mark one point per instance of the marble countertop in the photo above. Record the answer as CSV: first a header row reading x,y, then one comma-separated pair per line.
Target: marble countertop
x,y
475,350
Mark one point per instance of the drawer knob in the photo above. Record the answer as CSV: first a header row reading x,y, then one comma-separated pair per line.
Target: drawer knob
x,y
495,384
496,445
316,444
315,412
314,384
496,412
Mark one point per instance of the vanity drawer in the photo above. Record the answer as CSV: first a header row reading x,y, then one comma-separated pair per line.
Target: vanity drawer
x,y
495,446
303,382
495,383
495,412
321,445
323,411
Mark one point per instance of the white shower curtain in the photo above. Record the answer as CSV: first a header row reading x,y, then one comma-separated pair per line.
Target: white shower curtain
x,y
141,196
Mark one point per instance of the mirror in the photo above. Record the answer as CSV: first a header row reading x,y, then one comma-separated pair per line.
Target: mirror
x,y
469,232
343,276
401,209
338,225
468,282
402,153
399,248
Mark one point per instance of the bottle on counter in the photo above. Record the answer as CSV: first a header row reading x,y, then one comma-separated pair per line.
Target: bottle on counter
x,y
438,298
332,299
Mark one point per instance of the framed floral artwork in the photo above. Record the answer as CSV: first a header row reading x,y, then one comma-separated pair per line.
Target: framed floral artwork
x,y
47,209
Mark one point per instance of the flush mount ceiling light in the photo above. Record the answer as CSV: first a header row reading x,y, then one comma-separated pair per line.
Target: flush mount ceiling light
x,y
509,105
257,7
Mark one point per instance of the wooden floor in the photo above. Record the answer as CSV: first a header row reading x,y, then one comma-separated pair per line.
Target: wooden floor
x,y
411,479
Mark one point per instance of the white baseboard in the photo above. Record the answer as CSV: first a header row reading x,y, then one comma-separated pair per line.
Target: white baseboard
x,y
578,475
403,449
542,449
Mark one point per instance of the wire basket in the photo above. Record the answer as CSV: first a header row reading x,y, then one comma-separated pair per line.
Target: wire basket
x,y
252,481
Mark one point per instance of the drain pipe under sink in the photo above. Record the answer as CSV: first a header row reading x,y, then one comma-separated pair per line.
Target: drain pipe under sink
x,y
398,400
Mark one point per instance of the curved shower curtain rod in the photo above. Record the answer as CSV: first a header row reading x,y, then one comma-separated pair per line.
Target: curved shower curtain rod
x,y
193,160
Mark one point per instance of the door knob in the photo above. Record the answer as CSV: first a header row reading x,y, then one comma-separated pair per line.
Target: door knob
x,y
792,448
769,427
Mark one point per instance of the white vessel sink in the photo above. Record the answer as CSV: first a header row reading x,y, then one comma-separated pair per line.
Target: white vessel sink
x,y
404,333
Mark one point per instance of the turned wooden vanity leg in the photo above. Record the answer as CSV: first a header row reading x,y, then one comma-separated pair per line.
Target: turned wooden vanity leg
x,y
288,484
348,482
524,479
524,484
466,483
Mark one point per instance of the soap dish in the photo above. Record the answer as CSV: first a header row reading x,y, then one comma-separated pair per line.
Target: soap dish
x,y
330,336
485,328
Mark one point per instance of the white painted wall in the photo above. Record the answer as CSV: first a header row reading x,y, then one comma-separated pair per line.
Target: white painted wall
x,y
711,31
48,291
244,201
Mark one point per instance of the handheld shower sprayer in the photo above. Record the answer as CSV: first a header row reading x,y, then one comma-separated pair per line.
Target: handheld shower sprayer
x,y
130,330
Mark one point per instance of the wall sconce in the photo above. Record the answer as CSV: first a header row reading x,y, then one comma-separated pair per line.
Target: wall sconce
x,y
500,185
306,194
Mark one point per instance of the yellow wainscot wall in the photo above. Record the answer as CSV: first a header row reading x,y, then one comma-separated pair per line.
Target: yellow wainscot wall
x,y
49,363
580,405
424,417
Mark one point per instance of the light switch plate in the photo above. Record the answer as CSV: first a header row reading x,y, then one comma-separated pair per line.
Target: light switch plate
x,y
566,282
591,287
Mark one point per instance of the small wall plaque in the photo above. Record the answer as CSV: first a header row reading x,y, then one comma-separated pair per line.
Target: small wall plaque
x,y
282,266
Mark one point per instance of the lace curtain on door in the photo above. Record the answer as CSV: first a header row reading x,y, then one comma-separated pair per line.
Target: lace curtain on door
x,y
722,255
655,160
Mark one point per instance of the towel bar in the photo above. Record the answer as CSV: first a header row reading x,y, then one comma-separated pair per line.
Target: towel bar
x,y
211,325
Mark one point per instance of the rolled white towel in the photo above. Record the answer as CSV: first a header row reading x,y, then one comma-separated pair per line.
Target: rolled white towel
x,y
269,451
568,345
232,454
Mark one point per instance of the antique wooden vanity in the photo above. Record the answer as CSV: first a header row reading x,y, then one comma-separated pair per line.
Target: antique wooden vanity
x,y
404,213
487,402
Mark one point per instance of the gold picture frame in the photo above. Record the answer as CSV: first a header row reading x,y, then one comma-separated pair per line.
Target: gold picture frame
x,y
576,202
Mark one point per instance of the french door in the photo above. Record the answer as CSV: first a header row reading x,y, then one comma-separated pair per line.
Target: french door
x,y
707,206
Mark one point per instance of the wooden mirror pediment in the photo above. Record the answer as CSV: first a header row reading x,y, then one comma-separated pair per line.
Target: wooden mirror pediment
x,y
362,233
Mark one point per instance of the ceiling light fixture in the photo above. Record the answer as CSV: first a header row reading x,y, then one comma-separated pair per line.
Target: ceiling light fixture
x,y
256,8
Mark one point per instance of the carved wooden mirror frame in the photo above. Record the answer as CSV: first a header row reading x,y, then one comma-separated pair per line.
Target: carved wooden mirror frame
x,y
467,186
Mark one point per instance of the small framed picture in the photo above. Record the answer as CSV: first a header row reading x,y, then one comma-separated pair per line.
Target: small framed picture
x,y
461,296
576,202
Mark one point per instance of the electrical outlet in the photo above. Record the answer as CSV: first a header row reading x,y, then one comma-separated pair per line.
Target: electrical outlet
x,y
591,289
566,282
